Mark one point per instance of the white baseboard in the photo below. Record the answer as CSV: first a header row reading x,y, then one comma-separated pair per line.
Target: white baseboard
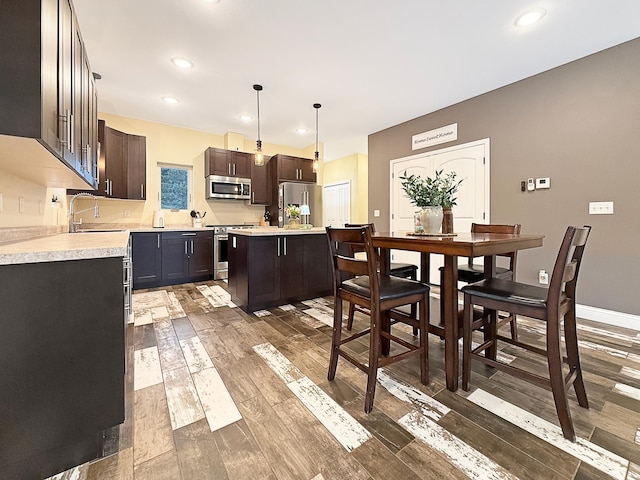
x,y
619,319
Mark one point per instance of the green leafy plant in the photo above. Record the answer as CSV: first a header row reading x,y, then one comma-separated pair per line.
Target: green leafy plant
x,y
431,191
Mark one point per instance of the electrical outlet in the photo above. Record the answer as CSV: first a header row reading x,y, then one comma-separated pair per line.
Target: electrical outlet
x,y
20,204
1,201
543,277
127,213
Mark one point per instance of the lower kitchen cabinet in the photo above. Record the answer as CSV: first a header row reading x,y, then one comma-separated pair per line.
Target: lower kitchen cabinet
x,y
186,256
62,352
146,251
266,271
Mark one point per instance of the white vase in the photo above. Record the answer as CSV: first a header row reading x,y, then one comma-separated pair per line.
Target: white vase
x,y
431,219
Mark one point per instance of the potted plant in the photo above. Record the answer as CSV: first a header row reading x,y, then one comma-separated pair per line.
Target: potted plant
x,y
432,195
293,212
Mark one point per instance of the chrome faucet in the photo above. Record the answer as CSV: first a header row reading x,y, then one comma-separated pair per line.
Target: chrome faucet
x,y
73,225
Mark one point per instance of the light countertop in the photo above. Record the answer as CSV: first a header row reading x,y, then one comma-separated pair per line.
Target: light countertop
x,y
66,246
269,231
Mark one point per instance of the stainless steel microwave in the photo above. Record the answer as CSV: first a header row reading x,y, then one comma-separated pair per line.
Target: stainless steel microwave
x,y
228,187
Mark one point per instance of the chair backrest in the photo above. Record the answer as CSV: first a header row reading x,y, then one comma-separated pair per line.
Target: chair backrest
x,y
353,249
345,266
499,228
565,271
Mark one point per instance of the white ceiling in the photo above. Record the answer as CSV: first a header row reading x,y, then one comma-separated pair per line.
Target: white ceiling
x,y
371,64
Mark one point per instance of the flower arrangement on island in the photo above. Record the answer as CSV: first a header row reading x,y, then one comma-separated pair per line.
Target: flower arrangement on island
x,y
292,211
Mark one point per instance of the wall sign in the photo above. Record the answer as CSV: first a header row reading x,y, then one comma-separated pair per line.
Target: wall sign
x,y
435,137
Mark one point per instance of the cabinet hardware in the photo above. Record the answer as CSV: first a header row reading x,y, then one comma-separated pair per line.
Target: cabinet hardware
x,y
284,240
278,246
253,197
141,190
189,234
158,241
71,134
185,248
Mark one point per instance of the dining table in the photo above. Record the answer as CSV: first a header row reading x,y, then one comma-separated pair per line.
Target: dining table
x,y
451,246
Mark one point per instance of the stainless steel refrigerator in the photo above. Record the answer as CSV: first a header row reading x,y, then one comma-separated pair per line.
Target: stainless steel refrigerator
x,y
298,194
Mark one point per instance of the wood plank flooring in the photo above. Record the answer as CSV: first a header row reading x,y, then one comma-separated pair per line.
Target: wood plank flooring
x,y
216,393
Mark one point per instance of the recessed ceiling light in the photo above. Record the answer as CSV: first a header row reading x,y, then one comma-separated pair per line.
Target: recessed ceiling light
x,y
529,17
302,131
182,62
246,118
170,100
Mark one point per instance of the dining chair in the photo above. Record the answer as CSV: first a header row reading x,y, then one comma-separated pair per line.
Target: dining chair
x,y
402,270
358,281
552,306
470,272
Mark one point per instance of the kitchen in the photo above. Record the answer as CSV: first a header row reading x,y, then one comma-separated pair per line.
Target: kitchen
x,y
28,206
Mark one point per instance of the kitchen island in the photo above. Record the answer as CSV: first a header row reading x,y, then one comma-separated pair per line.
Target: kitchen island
x,y
62,349
270,266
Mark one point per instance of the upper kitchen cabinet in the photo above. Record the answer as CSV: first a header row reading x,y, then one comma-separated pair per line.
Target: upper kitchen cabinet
x,y
292,169
261,184
227,163
48,100
125,165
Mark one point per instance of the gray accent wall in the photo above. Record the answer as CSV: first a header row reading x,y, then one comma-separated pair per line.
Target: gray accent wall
x,y
578,124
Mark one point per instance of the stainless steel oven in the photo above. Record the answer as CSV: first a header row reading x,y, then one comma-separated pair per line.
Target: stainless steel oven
x,y
221,250
220,253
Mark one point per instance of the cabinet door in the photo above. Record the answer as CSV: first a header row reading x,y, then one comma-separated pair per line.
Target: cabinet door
x,y
116,180
174,257
147,259
217,162
264,270
260,184
292,282
136,161
306,170
241,164
287,168
318,272
65,79
201,254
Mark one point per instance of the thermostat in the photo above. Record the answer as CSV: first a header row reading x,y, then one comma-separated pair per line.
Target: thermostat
x,y
543,182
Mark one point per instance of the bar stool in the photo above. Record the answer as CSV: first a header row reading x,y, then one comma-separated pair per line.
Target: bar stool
x,y
548,305
359,282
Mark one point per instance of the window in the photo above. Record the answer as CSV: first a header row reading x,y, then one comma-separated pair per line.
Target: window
x,y
175,187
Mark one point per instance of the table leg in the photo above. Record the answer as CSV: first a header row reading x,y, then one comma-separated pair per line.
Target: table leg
x,y
489,331
449,293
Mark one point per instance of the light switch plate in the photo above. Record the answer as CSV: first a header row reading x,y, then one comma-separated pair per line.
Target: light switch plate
x,y
376,213
600,208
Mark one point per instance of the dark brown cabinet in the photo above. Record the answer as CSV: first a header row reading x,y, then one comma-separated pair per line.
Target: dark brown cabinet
x,y
266,271
227,163
146,251
125,165
260,184
47,89
63,363
186,256
292,169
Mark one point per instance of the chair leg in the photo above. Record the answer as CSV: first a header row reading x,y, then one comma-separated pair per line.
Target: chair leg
x,y
413,313
335,338
573,357
424,340
352,310
374,355
467,321
514,327
556,376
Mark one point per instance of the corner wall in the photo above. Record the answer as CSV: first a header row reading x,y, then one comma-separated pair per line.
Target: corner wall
x,y
577,124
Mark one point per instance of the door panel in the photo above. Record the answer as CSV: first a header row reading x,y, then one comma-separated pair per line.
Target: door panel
x,y
471,162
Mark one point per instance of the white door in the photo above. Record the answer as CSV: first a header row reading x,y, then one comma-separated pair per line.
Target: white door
x,y
471,162
336,204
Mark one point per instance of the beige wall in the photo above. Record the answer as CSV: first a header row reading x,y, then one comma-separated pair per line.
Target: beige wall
x,y
169,144
577,124
354,169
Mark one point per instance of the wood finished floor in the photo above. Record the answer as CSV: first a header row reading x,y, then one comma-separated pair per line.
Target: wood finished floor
x,y
216,393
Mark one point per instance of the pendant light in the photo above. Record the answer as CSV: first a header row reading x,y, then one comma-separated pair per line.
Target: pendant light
x,y
258,156
316,155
